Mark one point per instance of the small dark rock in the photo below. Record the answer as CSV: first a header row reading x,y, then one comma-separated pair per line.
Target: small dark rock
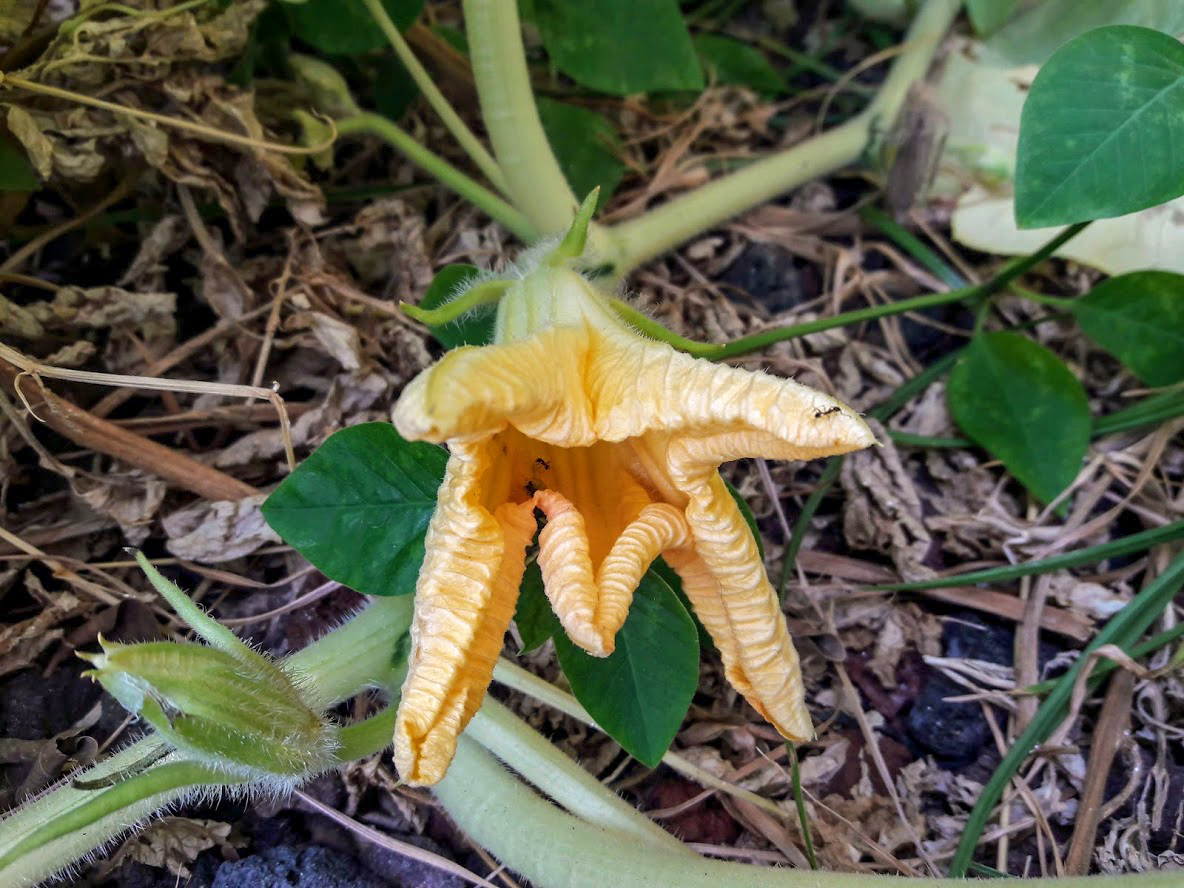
x,y
969,637
955,732
287,867
398,869
928,341
770,276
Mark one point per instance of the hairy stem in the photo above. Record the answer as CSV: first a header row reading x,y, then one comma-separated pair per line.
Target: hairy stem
x,y
641,239
33,846
536,184
448,175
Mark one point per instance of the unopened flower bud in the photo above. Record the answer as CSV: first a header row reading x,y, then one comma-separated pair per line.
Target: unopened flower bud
x,y
240,712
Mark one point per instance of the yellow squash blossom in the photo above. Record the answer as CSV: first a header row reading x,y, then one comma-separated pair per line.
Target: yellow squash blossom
x,y
616,439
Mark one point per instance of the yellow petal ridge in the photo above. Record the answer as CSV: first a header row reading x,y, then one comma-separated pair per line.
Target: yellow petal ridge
x,y
591,608
640,387
726,583
464,601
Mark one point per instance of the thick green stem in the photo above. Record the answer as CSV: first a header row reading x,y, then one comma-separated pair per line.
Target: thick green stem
x,y
639,240
536,184
556,850
463,135
528,753
448,175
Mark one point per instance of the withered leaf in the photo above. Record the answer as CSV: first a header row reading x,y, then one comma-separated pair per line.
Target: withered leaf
x,y
36,143
212,532
173,843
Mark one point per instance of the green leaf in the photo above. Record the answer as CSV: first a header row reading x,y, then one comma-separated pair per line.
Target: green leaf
x,y
1138,318
730,61
619,46
990,15
1100,129
16,173
394,90
586,146
641,692
359,506
1044,27
345,27
474,328
1016,399
533,616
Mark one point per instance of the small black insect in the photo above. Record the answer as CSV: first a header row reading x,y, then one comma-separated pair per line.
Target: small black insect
x,y
542,463
818,414
531,488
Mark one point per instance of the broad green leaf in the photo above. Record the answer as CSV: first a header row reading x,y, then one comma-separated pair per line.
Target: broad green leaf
x,y
989,15
641,692
1032,36
533,616
586,146
16,173
666,574
1100,129
1139,318
1020,402
345,27
473,328
359,506
394,90
619,46
730,61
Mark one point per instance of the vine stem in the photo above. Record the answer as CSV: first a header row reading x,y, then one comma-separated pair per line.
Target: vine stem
x,y
632,243
460,131
540,762
557,850
757,341
448,175
535,183
355,656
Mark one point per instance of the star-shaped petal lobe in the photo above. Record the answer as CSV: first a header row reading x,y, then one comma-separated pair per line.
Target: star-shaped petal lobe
x,y
615,441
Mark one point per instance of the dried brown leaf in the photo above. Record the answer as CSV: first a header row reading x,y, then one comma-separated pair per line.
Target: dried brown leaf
x,y
23,642
132,500
212,532
173,843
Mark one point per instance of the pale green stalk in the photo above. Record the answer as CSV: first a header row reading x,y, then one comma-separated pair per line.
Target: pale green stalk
x,y
532,756
637,241
556,850
514,676
536,184
460,131
448,175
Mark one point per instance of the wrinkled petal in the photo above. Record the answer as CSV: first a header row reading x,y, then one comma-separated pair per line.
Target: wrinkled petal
x,y
464,601
535,384
725,581
641,387
592,609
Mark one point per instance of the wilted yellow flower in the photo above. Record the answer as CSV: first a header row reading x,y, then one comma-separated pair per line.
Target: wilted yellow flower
x,y
617,440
